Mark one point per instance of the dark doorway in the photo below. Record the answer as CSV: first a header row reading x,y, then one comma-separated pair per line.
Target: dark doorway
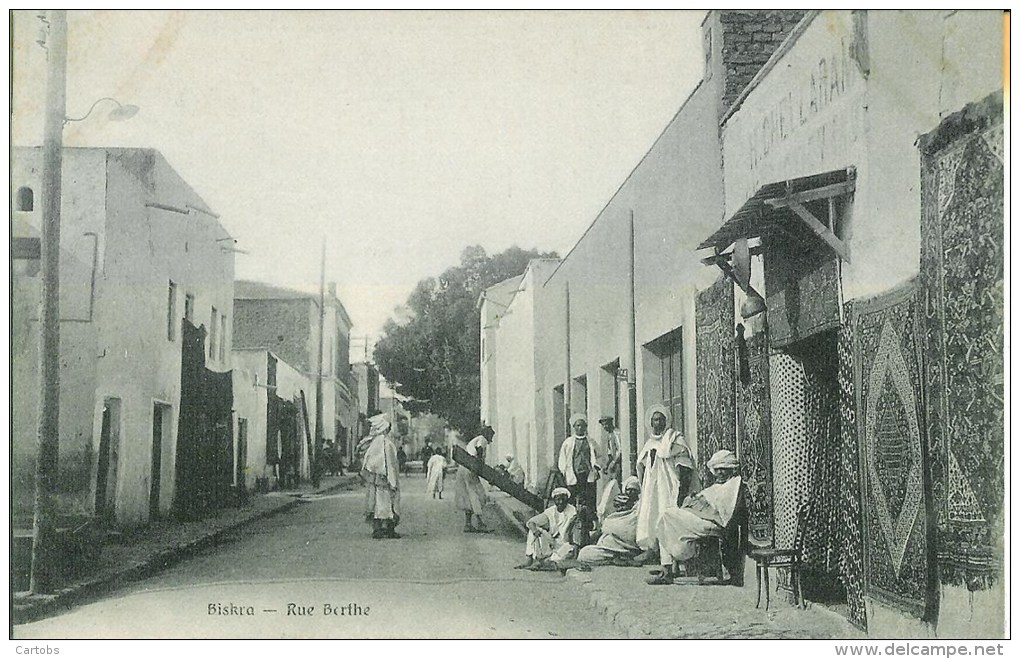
x,y
160,422
242,454
106,471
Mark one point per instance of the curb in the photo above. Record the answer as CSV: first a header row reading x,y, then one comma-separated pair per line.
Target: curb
x,y
47,605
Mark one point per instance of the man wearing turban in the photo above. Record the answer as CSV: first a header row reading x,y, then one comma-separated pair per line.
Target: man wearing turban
x,y
551,533
705,514
469,493
664,465
618,543
380,471
579,463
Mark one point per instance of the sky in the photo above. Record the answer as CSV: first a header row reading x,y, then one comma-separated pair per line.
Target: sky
x,y
398,138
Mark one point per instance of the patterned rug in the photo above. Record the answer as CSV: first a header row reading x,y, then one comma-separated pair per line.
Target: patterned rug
x,y
851,567
716,394
755,432
962,278
887,387
803,291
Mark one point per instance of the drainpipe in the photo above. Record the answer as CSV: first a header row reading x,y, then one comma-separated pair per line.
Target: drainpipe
x,y
631,363
567,385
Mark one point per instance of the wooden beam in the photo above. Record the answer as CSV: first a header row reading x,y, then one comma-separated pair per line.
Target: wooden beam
x,y
820,230
824,192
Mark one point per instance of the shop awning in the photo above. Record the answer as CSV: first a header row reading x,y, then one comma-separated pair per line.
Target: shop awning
x,y
781,206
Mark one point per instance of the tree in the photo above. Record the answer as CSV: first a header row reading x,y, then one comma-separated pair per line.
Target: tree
x,y
432,356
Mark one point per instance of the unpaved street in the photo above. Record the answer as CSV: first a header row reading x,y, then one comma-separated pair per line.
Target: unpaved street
x,y
276,578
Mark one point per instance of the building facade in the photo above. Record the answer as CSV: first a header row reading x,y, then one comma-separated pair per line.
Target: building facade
x,y
786,270
286,322
272,428
144,269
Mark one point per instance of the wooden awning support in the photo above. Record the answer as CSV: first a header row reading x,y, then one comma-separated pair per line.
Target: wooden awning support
x,y
795,201
722,261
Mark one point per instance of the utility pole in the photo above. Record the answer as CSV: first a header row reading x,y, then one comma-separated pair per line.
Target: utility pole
x,y
46,472
314,458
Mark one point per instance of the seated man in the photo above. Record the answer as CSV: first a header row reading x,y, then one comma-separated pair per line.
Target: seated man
x,y
514,470
550,534
618,543
703,515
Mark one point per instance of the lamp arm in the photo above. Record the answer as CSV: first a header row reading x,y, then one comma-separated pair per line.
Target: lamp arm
x,y
68,120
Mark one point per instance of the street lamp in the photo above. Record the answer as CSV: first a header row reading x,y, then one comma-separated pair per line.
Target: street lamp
x,y
120,113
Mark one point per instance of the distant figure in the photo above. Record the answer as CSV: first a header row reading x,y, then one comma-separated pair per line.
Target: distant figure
x,y
550,534
380,472
436,474
425,453
470,494
513,470
402,459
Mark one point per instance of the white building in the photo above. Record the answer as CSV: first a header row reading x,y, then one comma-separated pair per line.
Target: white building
x,y
140,252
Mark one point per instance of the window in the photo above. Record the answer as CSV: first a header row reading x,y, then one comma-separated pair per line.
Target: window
x,y
171,312
667,364
26,199
189,307
214,325
223,338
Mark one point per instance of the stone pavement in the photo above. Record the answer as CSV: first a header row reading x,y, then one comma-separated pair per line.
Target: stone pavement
x,y
691,611
139,553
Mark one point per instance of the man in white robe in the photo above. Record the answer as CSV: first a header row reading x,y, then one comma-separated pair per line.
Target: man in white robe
x,y
469,492
618,543
380,472
435,475
703,515
550,533
664,465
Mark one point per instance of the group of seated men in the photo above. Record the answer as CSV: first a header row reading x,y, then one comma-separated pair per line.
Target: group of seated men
x,y
555,536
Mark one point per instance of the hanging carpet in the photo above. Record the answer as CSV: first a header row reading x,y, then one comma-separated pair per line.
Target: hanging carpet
x,y
755,434
851,567
887,387
962,277
716,395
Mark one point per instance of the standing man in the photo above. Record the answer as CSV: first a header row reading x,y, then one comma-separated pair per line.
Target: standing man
x,y
611,446
469,493
381,473
579,463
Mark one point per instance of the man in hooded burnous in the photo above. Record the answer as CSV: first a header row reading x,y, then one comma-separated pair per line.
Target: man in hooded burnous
x,y
380,472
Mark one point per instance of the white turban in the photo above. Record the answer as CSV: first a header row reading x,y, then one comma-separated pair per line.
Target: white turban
x,y
560,491
661,409
723,460
578,416
632,482
380,424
